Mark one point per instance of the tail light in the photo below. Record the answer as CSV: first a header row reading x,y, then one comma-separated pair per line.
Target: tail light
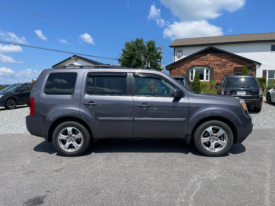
x,y
260,91
31,106
222,91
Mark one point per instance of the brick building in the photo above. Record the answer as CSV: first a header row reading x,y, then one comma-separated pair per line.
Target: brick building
x,y
215,57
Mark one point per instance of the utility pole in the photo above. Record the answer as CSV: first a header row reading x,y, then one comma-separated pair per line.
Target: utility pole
x,y
160,48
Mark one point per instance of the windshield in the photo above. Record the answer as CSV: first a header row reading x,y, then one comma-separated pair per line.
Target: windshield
x,y
11,88
242,82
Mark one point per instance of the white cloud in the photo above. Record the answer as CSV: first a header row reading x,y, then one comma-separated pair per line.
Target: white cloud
x,y
7,59
63,41
9,36
128,4
10,48
9,76
40,35
154,14
191,29
229,30
4,71
189,10
87,38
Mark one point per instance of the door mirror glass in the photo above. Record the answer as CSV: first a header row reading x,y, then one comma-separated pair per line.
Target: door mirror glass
x,y
178,93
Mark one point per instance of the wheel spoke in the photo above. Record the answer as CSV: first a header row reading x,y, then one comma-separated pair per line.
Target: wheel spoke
x,y
220,133
61,136
210,131
78,136
76,146
70,132
205,139
67,145
212,146
222,143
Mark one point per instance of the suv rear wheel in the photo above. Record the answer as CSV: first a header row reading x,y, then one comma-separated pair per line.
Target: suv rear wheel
x,y
10,103
71,138
213,138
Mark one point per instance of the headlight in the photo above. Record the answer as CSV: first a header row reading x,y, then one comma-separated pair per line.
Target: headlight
x,y
243,104
1,95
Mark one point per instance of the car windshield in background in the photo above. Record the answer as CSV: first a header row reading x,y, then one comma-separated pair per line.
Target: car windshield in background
x,y
242,82
11,88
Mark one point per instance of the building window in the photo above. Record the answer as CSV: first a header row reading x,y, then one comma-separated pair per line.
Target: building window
x,y
271,76
179,54
204,73
272,47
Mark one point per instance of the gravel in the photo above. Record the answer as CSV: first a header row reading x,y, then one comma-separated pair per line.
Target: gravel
x,y
13,121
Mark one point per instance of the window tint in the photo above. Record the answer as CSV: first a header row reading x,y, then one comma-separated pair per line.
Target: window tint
x,y
60,83
106,85
150,86
242,82
25,88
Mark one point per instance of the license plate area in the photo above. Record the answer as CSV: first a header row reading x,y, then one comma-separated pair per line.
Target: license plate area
x,y
241,92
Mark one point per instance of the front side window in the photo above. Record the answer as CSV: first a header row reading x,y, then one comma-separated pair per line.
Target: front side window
x,y
25,88
106,85
151,86
60,84
204,73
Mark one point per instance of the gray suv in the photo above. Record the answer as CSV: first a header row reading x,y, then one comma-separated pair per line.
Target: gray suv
x,y
73,107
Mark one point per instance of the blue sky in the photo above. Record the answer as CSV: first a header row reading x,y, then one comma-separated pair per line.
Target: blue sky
x,y
159,20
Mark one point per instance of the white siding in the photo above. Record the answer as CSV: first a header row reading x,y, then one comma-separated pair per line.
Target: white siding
x,y
260,52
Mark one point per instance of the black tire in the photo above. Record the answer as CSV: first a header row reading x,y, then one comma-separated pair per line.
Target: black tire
x,y
268,98
85,134
257,109
10,103
214,123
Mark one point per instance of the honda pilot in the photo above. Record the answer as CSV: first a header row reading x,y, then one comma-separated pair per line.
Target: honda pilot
x,y
73,107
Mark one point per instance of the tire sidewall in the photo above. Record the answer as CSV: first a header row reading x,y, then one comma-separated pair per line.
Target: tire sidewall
x,y
202,127
6,106
86,138
269,99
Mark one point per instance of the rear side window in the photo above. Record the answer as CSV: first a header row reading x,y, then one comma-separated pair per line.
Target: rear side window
x,y
60,84
242,83
106,85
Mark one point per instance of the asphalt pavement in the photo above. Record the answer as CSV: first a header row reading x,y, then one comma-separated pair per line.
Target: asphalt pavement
x,y
137,172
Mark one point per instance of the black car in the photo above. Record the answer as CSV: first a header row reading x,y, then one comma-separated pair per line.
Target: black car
x,y
245,87
16,94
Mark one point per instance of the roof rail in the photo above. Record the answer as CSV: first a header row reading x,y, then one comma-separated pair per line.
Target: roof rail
x,y
91,66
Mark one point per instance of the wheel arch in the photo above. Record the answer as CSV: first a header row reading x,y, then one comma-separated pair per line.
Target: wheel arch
x,y
11,97
222,119
66,119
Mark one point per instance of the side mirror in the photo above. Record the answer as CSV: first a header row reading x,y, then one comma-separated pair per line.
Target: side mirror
x,y
178,93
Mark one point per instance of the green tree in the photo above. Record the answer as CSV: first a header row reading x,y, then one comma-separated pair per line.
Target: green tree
x,y
197,83
137,54
244,71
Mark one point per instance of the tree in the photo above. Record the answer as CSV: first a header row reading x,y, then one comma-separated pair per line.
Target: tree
x,y
197,83
138,54
244,71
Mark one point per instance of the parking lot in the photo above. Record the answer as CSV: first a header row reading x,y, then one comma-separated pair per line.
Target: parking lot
x,y
135,172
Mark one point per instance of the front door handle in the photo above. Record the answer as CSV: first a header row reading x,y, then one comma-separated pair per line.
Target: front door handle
x,y
143,105
91,103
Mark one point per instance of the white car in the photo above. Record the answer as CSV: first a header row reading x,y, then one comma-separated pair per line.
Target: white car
x,y
270,96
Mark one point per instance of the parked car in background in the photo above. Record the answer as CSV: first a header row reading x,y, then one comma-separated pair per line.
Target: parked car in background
x,y
183,81
270,96
73,107
16,94
245,87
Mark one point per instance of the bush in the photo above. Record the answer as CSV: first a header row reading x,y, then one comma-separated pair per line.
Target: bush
x,y
271,85
204,86
197,85
244,71
262,82
212,84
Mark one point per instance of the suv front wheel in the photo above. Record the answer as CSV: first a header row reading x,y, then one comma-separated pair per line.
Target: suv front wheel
x,y
213,138
71,138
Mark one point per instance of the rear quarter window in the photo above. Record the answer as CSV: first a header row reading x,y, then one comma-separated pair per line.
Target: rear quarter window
x,y
60,84
242,82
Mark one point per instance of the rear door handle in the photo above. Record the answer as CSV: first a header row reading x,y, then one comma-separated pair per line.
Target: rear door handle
x,y
143,105
91,103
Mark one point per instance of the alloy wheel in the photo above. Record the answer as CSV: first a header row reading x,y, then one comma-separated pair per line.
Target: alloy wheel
x,y
11,103
70,139
214,139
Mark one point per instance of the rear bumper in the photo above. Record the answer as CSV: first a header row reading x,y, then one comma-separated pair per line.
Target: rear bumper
x,y
34,126
254,102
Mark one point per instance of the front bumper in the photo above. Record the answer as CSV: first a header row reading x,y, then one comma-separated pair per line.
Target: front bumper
x,y
245,128
2,102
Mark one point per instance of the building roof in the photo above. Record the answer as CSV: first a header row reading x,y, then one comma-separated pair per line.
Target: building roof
x,y
214,50
241,38
77,57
